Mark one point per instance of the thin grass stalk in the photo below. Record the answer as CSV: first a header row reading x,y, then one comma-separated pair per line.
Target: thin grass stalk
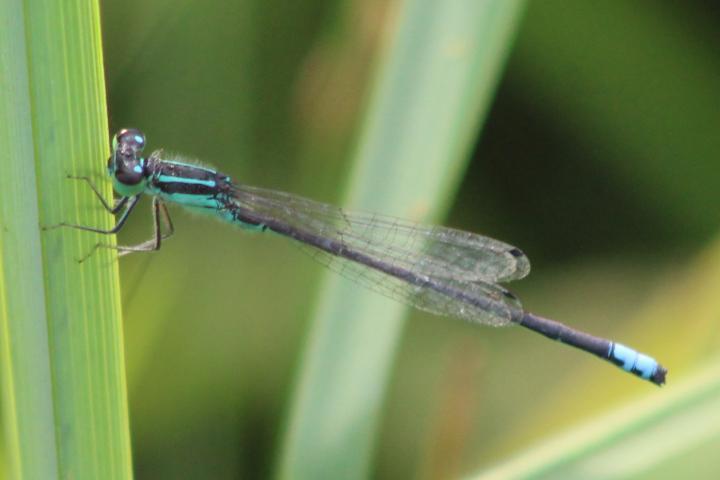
x,y
434,86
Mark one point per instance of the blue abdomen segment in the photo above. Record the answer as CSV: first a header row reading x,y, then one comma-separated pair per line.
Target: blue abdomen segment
x,y
624,357
632,361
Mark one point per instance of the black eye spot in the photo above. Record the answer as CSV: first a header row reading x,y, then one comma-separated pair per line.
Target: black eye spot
x,y
516,252
509,294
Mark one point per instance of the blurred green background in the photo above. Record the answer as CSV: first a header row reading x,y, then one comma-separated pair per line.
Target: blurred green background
x,y
599,159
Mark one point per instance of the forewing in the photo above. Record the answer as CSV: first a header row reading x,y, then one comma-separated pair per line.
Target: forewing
x,y
434,251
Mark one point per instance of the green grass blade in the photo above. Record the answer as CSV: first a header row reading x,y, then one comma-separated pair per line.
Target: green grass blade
x,y
434,87
27,391
645,439
62,332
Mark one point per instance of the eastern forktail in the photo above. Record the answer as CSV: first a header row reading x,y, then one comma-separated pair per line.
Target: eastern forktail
x,y
440,270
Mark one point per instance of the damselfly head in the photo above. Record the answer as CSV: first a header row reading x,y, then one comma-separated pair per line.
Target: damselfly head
x,y
126,165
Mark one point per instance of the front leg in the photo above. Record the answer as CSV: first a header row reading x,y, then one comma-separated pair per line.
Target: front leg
x,y
120,223
118,204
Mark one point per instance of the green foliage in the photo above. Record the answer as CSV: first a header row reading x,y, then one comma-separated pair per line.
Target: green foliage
x,y
65,412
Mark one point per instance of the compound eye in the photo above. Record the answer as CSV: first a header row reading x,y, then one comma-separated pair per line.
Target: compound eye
x,y
130,173
128,177
129,141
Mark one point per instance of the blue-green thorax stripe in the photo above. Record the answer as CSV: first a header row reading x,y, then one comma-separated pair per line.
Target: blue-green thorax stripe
x,y
185,180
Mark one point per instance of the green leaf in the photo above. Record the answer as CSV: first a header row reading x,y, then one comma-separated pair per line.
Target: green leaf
x,y
433,89
65,407
648,437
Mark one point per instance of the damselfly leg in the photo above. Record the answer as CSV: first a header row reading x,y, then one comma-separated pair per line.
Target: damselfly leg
x,y
160,215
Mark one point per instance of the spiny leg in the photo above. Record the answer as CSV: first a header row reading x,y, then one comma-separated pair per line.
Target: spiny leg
x,y
159,212
118,203
120,223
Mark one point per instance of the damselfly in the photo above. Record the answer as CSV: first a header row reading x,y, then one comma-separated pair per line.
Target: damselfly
x,y
440,270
